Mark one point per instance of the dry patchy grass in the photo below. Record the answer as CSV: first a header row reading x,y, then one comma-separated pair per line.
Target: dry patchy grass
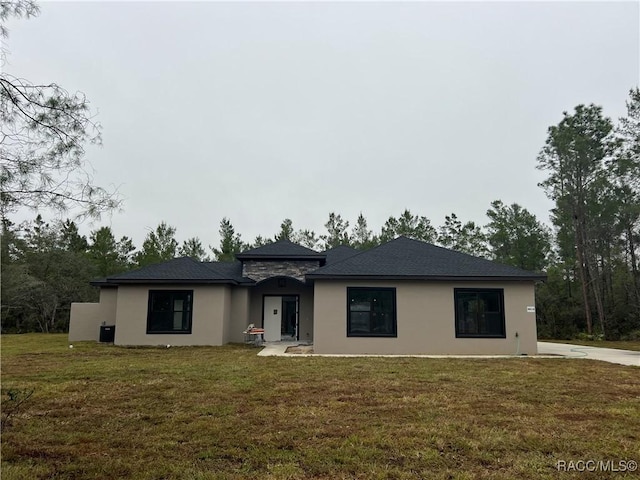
x,y
223,413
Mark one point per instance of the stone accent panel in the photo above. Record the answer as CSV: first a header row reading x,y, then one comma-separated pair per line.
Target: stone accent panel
x,y
259,270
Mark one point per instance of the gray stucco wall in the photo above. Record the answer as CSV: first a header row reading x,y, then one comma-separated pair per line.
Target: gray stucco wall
x,y
211,307
237,322
425,320
85,318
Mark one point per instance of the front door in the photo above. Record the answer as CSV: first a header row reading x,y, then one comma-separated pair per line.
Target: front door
x,y
272,318
280,317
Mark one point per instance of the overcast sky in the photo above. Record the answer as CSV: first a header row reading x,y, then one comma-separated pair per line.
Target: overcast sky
x,y
265,111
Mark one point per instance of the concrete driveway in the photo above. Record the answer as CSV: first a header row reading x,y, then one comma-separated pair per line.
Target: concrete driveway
x,y
612,355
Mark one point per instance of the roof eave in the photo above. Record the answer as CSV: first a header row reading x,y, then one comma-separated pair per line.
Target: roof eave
x,y
165,281
448,278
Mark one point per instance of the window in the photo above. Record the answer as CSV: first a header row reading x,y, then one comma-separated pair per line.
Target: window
x,y
169,311
479,313
371,312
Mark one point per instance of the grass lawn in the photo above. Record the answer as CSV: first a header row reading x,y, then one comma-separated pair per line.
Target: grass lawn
x,y
105,412
623,345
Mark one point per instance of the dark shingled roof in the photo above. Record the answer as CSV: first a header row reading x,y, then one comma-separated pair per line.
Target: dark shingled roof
x,y
230,270
402,258
281,250
336,254
178,270
407,258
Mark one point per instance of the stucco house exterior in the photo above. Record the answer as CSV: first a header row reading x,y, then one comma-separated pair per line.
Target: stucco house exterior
x,y
402,297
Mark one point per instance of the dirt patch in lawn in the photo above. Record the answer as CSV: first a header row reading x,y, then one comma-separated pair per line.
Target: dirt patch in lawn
x,y
300,349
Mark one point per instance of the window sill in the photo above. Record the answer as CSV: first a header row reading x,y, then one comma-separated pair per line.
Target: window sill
x,y
373,335
169,333
480,336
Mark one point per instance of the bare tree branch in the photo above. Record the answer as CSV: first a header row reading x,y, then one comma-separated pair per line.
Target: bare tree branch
x,y
43,131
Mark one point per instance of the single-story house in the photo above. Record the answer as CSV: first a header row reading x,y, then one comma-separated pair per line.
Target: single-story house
x,y
402,297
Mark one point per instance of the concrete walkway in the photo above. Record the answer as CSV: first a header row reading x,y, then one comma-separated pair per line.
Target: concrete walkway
x,y
612,355
279,349
545,350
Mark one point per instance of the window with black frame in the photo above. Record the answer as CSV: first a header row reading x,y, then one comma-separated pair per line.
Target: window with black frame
x,y
169,311
371,312
479,312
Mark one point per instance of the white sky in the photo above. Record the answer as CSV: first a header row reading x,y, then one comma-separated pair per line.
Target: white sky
x,y
263,111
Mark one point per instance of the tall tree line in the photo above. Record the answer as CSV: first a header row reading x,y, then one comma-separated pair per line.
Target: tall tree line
x,y
47,266
593,175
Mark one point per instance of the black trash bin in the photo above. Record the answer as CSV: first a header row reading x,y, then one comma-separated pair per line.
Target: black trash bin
x,y
107,333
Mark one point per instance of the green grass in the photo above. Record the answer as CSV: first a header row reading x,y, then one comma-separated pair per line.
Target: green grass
x,y
622,345
104,412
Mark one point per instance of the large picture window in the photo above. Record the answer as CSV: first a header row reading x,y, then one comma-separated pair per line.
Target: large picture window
x,y
479,312
169,311
371,312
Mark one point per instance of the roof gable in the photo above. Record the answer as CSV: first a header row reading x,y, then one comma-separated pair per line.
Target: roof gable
x,y
282,249
408,258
